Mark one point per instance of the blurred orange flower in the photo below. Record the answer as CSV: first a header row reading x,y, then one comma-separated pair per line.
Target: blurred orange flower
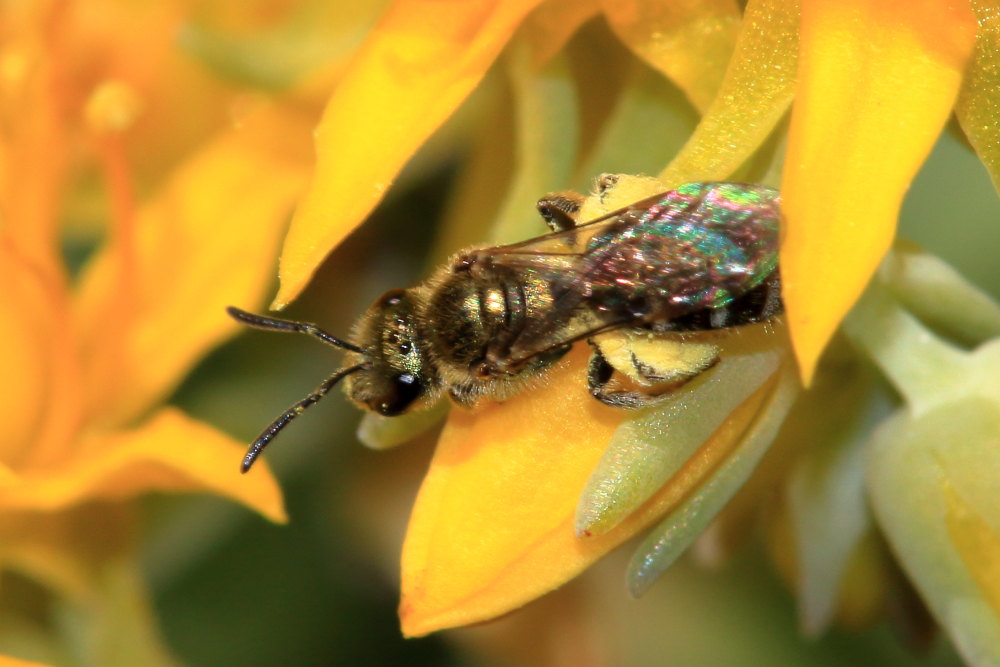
x,y
175,184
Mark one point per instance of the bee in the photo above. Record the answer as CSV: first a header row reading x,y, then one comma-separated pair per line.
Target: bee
x,y
639,283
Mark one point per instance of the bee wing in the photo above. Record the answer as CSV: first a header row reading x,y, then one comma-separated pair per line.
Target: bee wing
x,y
698,247
569,237
562,252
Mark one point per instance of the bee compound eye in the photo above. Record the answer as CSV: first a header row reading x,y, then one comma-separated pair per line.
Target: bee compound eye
x,y
404,390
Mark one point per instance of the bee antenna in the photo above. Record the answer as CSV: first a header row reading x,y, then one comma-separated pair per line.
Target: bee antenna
x,y
291,413
276,324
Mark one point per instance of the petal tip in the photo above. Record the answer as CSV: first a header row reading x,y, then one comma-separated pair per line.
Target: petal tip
x,y
583,525
637,584
284,297
588,526
409,629
414,623
807,351
274,512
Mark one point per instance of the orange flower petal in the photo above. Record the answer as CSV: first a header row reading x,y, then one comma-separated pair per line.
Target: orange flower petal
x,y
418,65
40,399
493,525
149,310
85,558
689,41
555,22
281,48
978,104
23,320
14,662
737,123
170,452
876,83
34,151
63,551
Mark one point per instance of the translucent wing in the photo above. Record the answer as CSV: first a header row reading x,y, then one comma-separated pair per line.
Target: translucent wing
x,y
697,247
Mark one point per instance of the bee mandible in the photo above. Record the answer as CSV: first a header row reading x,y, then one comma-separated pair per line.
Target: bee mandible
x,y
701,258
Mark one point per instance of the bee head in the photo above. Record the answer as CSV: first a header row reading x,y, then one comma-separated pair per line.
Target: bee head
x,y
396,372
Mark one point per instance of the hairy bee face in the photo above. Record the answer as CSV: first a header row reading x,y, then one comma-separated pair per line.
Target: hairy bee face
x,y
396,371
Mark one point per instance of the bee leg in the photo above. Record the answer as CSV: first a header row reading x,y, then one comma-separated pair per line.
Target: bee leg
x,y
697,362
559,209
599,374
604,184
662,374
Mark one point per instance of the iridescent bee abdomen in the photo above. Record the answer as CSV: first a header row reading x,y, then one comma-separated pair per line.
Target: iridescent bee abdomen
x,y
700,248
701,257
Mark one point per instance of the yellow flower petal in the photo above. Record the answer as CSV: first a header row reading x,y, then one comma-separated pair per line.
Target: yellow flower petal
x,y
501,480
977,542
493,525
690,41
737,123
876,84
418,65
151,307
978,103
170,452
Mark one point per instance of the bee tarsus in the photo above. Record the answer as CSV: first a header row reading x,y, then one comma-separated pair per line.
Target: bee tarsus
x,y
559,210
